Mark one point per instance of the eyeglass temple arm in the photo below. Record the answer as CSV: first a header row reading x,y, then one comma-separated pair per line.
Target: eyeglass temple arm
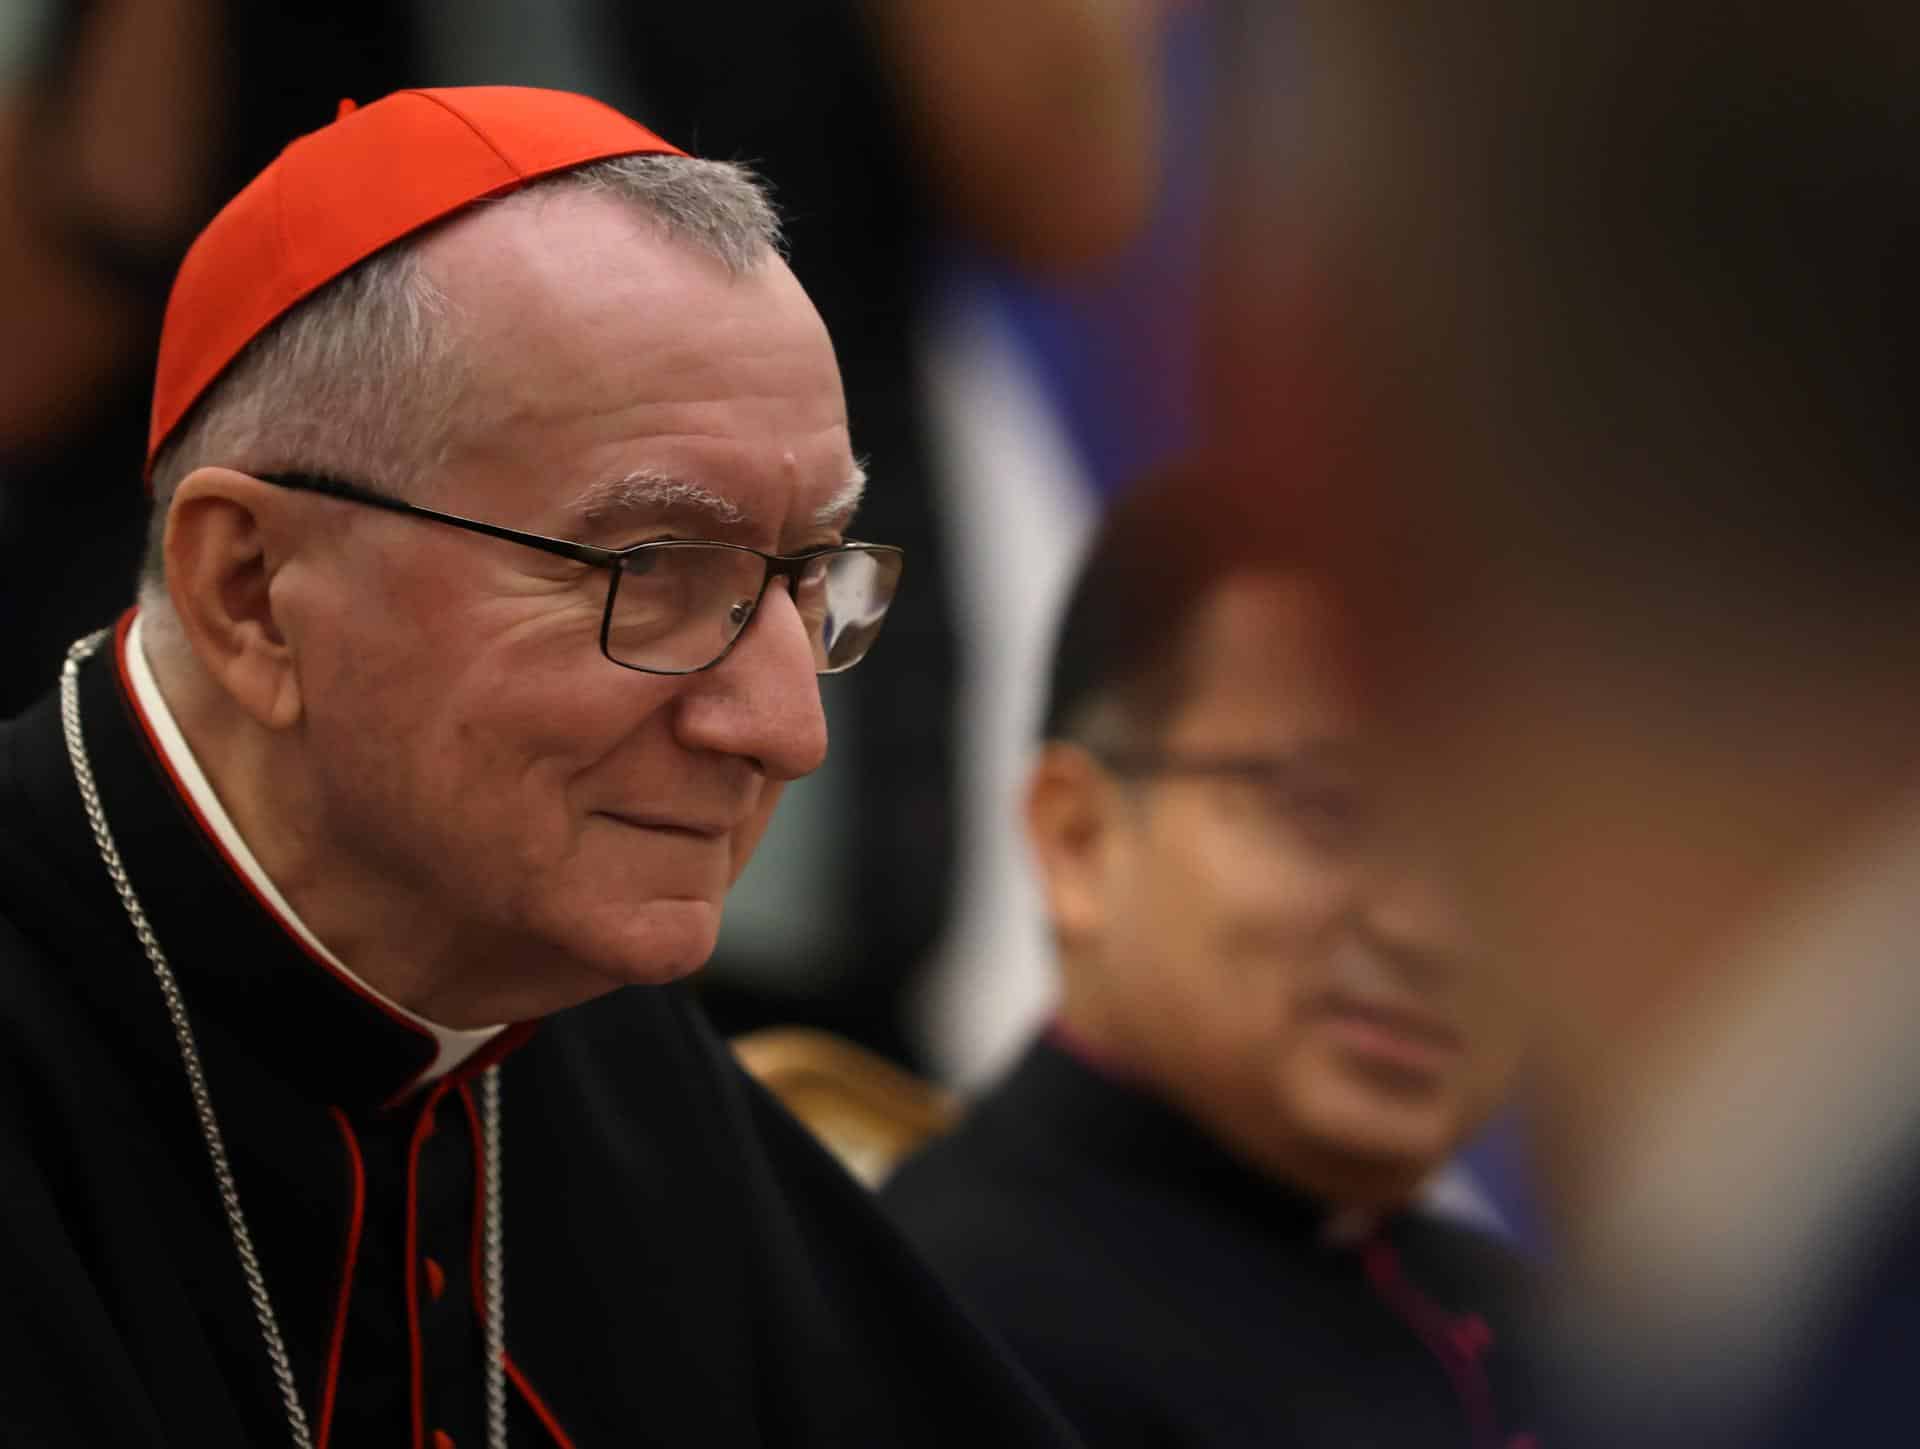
x,y
335,488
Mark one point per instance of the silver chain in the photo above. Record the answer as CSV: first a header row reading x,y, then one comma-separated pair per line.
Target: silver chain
x,y
495,1267
494,1257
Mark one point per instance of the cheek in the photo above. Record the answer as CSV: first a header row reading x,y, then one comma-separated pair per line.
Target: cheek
x,y
747,838
1275,914
1242,936
478,747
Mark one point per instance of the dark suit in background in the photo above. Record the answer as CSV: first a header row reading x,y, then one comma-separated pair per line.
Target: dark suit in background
x,y
1167,1295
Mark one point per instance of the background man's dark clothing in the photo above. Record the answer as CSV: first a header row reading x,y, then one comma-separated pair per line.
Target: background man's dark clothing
x,y
684,1265
1166,1295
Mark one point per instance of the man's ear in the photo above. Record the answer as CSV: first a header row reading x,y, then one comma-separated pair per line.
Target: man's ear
x,y
225,537
1071,808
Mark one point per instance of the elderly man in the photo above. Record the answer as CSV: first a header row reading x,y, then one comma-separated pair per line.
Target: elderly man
x,y
1189,1209
502,480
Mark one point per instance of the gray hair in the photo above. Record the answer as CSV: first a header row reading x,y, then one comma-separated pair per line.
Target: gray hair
x,y
364,378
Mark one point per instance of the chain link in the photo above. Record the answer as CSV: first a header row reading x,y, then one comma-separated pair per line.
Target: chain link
x,y
495,1264
494,1256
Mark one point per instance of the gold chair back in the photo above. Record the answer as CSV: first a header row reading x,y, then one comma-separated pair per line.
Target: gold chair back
x,y
869,1112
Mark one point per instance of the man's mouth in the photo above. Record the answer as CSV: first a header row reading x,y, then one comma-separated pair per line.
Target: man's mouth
x,y
1392,1034
688,829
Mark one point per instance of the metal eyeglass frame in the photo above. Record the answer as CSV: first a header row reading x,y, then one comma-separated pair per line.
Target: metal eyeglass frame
x,y
778,565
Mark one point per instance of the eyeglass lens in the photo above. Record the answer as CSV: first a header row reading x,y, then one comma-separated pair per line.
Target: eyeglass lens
x,y
677,607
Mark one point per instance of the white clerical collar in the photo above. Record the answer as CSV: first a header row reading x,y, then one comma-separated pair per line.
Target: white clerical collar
x,y
452,1046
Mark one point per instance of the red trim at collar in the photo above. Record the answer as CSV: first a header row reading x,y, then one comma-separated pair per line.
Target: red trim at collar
x,y
186,798
355,1221
422,1129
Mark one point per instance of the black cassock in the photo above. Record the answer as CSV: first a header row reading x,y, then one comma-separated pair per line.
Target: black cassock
x,y
683,1264
1169,1296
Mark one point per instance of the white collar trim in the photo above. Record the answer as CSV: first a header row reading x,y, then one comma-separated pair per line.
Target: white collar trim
x,y
452,1046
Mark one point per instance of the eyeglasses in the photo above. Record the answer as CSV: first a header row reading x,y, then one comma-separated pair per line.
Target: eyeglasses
x,y
1328,808
677,606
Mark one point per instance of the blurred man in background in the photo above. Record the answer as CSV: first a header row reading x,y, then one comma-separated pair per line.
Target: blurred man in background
x,y
1593,334
1189,1209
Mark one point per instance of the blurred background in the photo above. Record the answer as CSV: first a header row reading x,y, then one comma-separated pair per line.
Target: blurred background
x,y
1574,346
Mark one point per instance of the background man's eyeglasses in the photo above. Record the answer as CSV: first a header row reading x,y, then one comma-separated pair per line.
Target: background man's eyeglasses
x,y
678,605
1328,807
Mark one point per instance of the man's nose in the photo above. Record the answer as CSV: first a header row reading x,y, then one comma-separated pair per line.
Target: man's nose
x,y
1408,910
762,701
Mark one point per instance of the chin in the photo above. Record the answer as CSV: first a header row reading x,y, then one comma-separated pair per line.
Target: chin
x,y
654,943
1395,1136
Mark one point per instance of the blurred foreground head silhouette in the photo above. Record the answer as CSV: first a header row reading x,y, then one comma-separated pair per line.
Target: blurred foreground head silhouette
x,y
1581,333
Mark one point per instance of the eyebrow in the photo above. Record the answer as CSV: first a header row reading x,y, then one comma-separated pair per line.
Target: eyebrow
x,y
838,511
650,492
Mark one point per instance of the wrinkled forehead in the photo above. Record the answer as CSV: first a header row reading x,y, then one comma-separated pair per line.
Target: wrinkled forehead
x,y
617,376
